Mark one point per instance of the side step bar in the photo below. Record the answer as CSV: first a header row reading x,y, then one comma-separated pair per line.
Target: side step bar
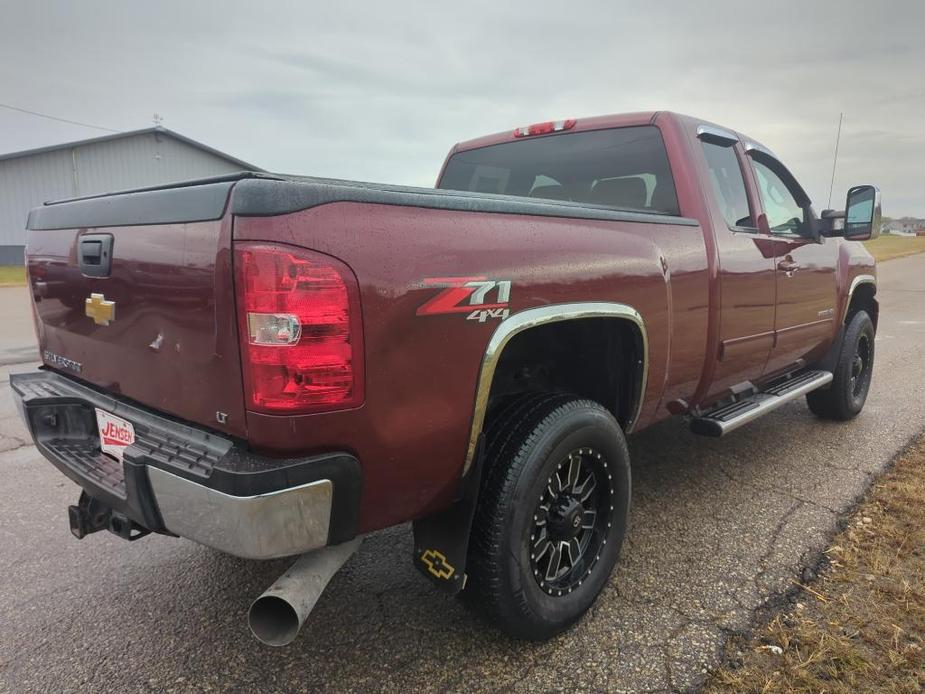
x,y
728,418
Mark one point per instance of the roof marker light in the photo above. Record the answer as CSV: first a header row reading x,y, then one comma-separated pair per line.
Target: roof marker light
x,y
552,126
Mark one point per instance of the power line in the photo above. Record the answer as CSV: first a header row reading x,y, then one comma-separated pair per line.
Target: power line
x,y
61,120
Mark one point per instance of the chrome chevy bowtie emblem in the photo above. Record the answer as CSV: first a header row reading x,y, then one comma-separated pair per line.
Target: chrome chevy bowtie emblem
x,y
101,310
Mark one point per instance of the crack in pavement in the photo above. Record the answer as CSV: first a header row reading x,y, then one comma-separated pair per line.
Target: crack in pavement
x,y
19,443
772,542
779,490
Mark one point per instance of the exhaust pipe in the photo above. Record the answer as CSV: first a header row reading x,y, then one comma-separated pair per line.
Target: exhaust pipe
x,y
276,617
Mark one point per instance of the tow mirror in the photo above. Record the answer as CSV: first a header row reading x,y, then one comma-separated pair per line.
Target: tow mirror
x,y
862,213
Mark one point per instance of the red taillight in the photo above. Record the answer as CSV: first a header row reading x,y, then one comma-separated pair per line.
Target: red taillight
x,y
37,271
301,333
552,126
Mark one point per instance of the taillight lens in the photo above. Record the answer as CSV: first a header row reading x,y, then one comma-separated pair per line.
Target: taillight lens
x,y
301,333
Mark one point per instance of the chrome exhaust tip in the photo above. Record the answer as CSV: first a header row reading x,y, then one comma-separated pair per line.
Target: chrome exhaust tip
x,y
277,616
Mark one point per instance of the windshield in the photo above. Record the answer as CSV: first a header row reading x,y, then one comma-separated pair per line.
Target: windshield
x,y
622,168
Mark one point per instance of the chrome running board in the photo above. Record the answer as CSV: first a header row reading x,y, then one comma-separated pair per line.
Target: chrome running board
x,y
722,420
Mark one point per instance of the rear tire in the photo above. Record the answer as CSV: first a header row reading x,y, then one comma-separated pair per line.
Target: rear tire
x,y
845,397
551,514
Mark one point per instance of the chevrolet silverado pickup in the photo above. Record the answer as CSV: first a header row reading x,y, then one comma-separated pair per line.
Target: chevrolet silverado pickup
x,y
277,365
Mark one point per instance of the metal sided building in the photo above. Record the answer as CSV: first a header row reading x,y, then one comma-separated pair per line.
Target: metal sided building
x,y
131,159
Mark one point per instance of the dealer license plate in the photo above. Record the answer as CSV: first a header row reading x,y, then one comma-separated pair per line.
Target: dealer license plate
x,y
115,433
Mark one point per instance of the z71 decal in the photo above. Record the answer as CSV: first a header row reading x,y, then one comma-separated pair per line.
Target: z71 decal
x,y
468,295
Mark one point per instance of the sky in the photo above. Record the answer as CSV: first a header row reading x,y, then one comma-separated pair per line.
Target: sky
x,y
381,90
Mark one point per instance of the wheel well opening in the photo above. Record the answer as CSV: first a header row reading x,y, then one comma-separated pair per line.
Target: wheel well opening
x,y
863,299
596,358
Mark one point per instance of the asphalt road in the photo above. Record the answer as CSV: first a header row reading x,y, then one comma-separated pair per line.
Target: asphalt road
x,y
718,527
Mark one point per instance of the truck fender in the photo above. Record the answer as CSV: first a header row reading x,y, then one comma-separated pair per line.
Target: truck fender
x,y
834,354
441,540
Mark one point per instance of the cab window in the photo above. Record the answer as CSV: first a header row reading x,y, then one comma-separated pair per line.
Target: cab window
x,y
621,168
728,184
785,214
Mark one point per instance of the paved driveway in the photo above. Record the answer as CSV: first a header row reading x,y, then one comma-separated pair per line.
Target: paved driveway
x,y
717,527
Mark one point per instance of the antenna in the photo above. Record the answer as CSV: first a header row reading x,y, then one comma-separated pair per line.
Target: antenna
x,y
158,120
835,159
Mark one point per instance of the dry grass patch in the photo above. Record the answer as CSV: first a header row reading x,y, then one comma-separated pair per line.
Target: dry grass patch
x,y
12,275
861,625
887,246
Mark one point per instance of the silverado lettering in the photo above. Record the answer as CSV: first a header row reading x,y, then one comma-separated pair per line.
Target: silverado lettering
x,y
300,392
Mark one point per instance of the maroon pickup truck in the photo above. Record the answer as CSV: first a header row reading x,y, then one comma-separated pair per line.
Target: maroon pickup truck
x,y
272,365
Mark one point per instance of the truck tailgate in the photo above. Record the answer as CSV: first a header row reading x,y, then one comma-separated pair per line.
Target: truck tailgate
x,y
158,326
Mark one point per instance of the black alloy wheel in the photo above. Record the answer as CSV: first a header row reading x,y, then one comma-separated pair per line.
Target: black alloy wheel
x,y
570,522
551,514
844,398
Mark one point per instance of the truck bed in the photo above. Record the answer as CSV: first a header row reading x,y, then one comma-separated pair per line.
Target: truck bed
x,y
174,345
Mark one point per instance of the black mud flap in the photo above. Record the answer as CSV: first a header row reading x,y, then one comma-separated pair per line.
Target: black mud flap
x,y
830,361
441,541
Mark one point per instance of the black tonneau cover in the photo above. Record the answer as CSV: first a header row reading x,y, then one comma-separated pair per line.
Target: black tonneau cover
x,y
258,194
197,200
265,196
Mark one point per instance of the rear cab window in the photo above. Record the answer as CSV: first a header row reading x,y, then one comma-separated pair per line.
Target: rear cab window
x,y
728,185
620,168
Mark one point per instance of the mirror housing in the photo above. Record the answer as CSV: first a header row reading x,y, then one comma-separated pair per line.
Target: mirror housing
x,y
831,223
862,213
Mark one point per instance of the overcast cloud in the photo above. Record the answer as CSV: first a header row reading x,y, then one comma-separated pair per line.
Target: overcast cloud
x,y
379,91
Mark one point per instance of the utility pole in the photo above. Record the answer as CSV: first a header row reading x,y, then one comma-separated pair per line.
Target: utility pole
x,y
835,159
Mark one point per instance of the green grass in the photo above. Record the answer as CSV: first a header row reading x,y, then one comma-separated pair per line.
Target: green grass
x,y
888,247
12,276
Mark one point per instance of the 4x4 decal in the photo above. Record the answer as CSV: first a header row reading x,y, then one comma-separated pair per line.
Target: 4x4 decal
x,y
468,295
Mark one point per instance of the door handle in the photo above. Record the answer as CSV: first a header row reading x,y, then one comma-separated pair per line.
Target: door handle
x,y
788,266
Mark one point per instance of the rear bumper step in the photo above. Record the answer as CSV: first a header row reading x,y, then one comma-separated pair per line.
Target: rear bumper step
x,y
185,480
730,417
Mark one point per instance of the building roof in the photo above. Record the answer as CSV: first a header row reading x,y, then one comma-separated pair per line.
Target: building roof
x,y
131,133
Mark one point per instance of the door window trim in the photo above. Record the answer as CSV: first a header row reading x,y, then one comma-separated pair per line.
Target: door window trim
x,y
716,135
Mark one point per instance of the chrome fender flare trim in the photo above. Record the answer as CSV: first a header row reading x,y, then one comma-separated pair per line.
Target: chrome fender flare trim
x,y
855,283
535,317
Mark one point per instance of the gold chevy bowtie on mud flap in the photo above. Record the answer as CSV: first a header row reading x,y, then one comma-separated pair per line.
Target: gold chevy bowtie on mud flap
x,y
437,564
441,541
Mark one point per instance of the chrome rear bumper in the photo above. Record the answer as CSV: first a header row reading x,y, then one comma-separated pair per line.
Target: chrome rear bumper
x,y
278,524
184,480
